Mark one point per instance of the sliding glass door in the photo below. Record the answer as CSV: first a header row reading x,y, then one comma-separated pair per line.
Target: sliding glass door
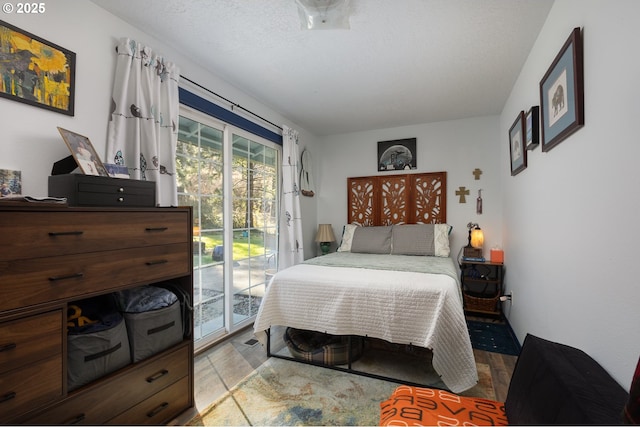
x,y
254,191
231,180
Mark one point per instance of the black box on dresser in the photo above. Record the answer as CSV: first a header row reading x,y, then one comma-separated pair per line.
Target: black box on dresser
x,y
91,190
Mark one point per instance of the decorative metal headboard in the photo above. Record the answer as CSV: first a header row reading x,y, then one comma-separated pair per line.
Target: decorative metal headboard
x,y
398,199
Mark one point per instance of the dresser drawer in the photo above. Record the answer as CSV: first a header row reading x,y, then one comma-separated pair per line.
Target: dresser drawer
x,y
53,233
29,387
97,197
95,405
159,408
30,339
33,281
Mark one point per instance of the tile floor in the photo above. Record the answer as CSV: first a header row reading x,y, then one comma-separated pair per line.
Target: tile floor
x,y
221,367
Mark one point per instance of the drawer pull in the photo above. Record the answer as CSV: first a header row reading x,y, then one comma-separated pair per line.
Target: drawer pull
x,y
65,233
159,409
161,328
121,190
7,347
8,396
120,199
157,376
70,276
156,262
75,420
103,353
152,229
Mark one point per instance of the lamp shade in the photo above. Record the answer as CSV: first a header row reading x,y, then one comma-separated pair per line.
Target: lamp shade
x,y
477,238
325,233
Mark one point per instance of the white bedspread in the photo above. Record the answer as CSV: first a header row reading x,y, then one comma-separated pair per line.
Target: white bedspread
x,y
401,307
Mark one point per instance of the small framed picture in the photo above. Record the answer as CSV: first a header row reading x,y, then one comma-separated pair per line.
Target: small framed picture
x,y
532,127
399,154
83,152
117,171
516,145
10,182
562,94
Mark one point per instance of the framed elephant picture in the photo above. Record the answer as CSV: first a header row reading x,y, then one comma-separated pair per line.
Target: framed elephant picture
x,y
562,94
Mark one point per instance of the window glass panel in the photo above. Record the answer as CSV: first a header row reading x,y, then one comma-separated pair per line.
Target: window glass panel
x,y
250,219
189,132
200,179
254,201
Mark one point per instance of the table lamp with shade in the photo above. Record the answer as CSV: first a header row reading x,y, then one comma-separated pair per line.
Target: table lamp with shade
x,y
476,240
325,236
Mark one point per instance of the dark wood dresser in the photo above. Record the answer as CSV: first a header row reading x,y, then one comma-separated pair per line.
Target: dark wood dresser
x,y
51,256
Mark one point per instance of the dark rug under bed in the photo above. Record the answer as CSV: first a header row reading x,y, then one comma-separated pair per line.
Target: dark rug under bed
x,y
494,337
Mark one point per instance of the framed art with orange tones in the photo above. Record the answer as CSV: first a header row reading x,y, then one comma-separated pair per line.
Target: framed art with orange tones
x,y
35,71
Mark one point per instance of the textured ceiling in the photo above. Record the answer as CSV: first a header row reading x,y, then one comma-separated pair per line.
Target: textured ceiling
x,y
402,62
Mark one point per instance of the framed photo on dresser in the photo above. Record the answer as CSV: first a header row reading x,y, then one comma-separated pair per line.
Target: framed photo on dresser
x,y
83,152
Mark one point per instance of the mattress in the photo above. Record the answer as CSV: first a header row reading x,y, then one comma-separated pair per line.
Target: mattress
x,y
380,296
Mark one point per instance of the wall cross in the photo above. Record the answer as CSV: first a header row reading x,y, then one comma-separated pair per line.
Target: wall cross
x,y
462,192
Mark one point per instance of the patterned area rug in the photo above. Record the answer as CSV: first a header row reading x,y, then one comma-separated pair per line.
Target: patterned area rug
x,y
282,392
493,337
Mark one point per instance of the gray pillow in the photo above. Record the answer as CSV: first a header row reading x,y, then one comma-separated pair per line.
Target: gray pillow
x,y
421,239
413,239
372,240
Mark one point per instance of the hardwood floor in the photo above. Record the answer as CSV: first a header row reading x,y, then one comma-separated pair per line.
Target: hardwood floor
x,y
221,367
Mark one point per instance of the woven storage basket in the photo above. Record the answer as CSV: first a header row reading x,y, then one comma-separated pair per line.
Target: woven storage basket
x,y
472,302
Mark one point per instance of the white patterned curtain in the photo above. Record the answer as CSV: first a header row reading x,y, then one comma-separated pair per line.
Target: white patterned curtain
x,y
291,250
142,133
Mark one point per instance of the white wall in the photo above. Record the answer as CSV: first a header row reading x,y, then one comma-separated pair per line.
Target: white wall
x,y
29,139
570,219
457,147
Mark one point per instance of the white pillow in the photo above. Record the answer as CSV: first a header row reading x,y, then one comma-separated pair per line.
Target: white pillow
x,y
441,239
347,238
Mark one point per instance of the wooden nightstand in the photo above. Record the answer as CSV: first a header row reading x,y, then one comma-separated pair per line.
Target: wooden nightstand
x,y
482,286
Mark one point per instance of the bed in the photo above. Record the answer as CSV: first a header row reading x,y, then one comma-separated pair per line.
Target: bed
x,y
392,281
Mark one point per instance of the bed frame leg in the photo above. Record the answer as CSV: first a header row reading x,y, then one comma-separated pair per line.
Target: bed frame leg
x,y
349,369
268,331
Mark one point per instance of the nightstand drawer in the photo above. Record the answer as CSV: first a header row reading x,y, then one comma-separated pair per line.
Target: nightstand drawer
x,y
159,408
95,405
46,234
29,387
34,281
30,339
